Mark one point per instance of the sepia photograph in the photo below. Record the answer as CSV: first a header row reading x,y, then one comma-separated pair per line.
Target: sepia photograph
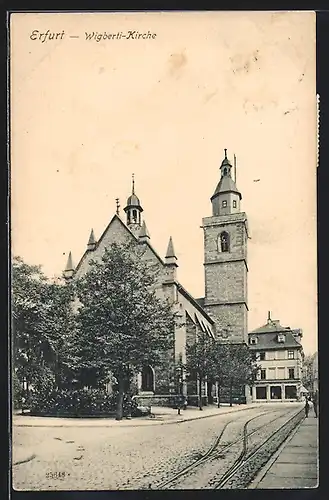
x,y
163,250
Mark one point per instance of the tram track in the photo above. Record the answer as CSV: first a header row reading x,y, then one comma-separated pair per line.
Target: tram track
x,y
245,459
214,452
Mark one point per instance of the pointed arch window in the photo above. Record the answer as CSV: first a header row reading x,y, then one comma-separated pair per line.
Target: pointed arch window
x,y
224,241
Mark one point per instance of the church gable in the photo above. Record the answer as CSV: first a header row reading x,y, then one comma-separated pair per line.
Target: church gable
x,y
116,232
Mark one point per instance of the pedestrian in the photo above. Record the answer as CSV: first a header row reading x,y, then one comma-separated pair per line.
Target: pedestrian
x,y
307,407
315,404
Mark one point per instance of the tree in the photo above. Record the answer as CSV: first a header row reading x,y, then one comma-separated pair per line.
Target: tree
x,y
199,361
308,372
220,356
41,325
122,325
239,367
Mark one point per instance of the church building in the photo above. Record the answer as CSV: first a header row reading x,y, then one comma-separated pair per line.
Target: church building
x,y
222,312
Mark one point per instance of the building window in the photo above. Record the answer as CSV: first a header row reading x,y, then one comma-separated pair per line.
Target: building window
x,y
281,338
234,203
276,392
290,354
281,373
224,203
224,242
260,392
262,356
291,372
263,374
290,392
271,373
225,171
253,340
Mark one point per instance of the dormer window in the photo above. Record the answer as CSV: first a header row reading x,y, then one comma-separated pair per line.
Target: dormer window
x,y
234,203
253,340
224,203
281,337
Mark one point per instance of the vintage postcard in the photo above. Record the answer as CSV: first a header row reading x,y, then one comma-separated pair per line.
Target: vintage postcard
x,y
163,250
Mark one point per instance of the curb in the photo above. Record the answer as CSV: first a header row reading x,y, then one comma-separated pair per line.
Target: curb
x,y
150,424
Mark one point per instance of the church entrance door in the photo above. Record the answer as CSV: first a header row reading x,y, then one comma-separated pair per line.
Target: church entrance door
x,y
147,379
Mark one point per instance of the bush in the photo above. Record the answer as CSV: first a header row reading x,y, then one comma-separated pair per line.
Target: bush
x,y
72,402
80,402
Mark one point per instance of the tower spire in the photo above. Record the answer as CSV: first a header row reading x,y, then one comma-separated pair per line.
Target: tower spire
x,y
133,210
225,151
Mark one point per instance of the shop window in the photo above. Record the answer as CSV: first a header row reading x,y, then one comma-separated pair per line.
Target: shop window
x,y
290,392
260,392
276,392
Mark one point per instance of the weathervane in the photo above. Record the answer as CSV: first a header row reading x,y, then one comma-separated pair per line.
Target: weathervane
x,y
118,205
133,178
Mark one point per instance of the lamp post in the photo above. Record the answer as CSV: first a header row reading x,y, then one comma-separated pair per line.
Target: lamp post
x,y
179,371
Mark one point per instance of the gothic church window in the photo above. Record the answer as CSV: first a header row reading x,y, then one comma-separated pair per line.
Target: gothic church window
x,y
224,242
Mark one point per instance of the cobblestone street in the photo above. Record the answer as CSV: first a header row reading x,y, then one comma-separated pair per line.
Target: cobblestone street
x,y
118,456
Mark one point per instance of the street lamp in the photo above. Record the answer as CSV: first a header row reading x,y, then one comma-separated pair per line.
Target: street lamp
x,y
179,371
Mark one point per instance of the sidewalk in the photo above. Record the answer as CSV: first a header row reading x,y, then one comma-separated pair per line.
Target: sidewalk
x,y
295,464
160,416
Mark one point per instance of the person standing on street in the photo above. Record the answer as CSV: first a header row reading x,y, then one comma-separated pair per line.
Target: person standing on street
x,y
315,404
307,407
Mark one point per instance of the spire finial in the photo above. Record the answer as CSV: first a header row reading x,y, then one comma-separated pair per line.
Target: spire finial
x,y
269,316
118,205
133,179
225,151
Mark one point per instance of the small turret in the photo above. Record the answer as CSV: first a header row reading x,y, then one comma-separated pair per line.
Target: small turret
x,y
171,260
69,269
144,235
91,245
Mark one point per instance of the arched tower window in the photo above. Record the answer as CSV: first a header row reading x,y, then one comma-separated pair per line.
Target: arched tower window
x,y
225,171
224,241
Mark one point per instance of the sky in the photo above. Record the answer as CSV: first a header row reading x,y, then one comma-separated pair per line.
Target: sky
x,y
86,114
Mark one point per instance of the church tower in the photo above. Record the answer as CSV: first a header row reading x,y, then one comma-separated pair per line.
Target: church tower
x,y
134,211
225,259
